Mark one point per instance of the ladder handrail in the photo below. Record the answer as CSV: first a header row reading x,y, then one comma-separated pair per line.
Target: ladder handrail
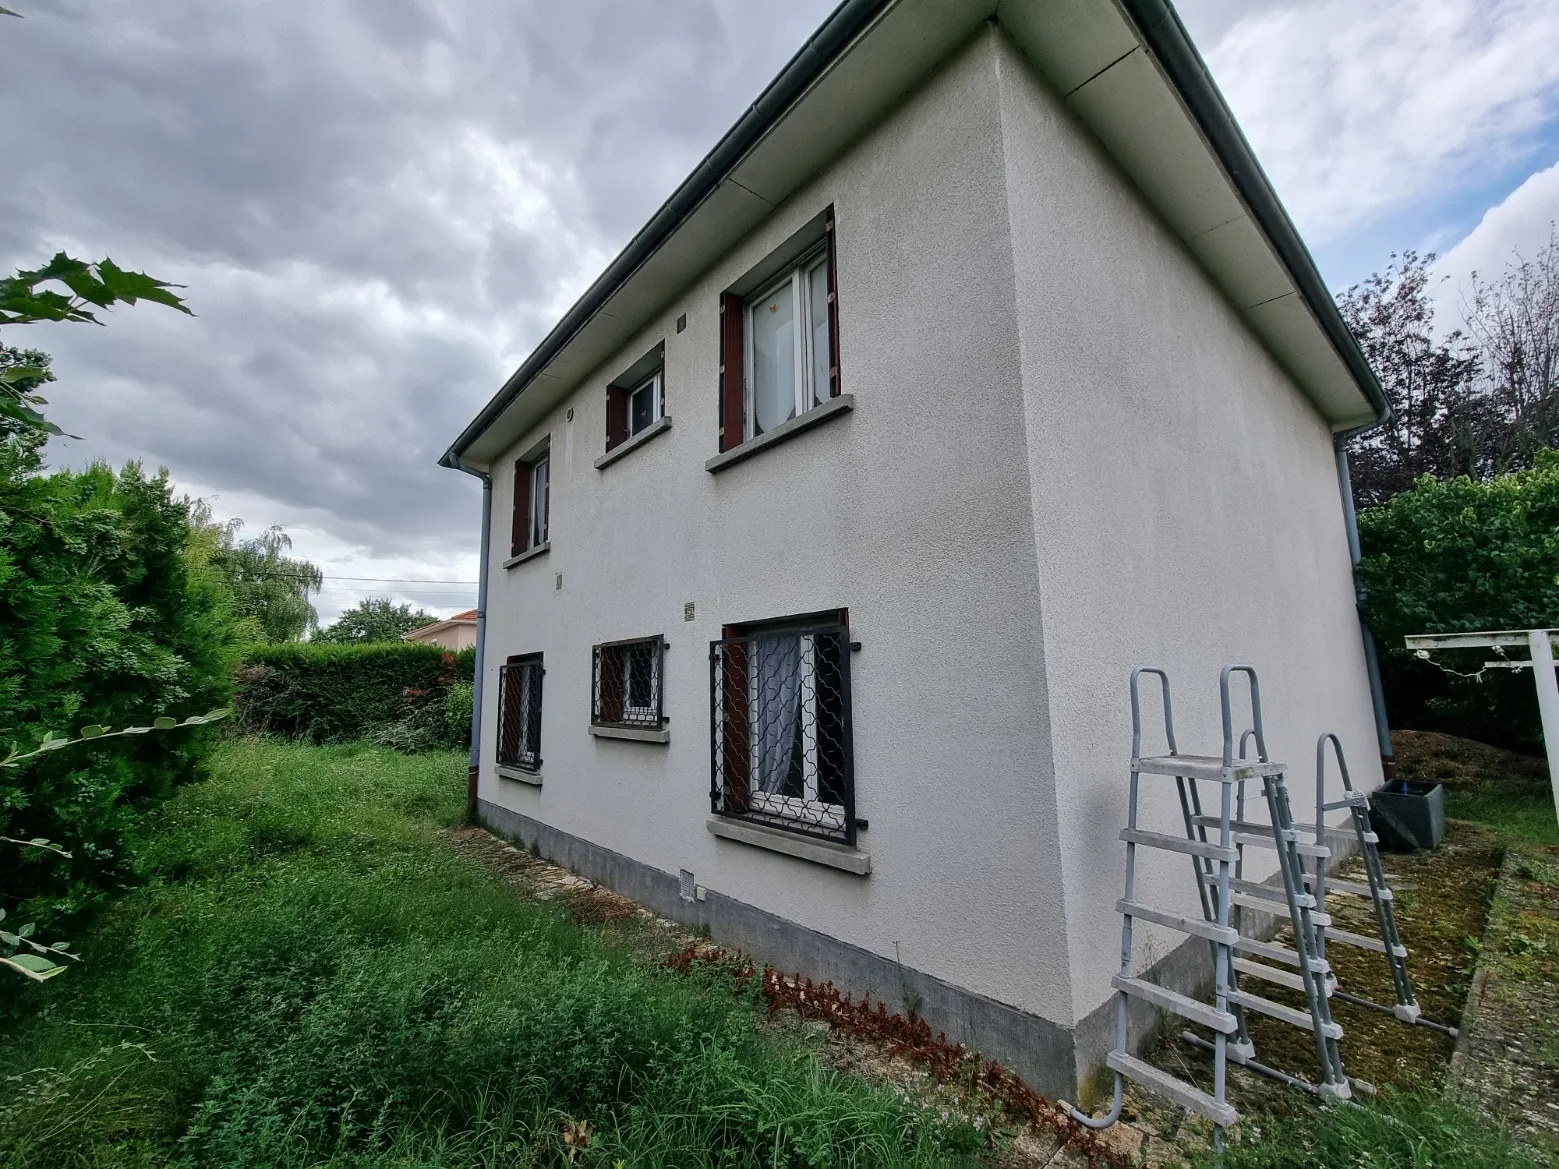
x,y
1228,716
1136,711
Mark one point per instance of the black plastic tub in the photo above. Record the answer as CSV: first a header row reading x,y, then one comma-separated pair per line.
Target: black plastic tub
x,y
1407,815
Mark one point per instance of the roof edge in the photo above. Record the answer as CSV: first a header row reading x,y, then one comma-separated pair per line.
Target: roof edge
x,y
809,63
1167,38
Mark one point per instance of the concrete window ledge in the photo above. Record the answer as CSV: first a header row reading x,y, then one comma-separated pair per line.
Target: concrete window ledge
x,y
836,856
818,415
531,554
637,734
531,777
659,426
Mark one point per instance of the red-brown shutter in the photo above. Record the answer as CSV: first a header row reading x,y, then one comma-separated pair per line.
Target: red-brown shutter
x,y
735,759
616,416
833,309
612,683
731,391
519,533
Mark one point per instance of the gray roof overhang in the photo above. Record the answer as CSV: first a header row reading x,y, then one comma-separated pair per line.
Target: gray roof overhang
x,y
1125,68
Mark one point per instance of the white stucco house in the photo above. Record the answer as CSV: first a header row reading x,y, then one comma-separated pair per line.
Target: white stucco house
x,y
977,364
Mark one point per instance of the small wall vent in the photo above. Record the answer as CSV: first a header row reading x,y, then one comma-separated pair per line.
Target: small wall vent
x,y
689,887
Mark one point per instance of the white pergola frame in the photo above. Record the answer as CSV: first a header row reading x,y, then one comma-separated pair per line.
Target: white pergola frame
x,y
1539,643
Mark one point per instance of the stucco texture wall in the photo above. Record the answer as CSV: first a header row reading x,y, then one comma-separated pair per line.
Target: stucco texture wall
x,y
912,511
1186,514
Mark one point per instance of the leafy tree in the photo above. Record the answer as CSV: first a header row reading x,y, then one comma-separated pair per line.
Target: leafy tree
x,y
1458,555
270,589
1438,423
26,299
372,620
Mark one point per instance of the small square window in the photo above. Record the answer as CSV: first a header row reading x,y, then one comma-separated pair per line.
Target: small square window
x,y
626,686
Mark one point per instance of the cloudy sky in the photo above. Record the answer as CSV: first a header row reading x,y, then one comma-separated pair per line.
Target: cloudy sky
x,y
379,206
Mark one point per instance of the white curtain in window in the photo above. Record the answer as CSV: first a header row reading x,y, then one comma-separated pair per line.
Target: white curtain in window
x,y
774,358
778,706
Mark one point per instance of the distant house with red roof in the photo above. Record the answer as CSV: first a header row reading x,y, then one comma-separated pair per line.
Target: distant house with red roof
x,y
456,633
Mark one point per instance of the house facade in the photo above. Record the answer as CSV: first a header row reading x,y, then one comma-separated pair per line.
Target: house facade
x,y
962,377
453,633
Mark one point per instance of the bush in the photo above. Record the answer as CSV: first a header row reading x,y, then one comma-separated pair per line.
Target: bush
x,y
393,693
109,614
1460,556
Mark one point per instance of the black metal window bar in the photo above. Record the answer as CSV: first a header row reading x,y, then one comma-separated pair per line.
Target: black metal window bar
x,y
625,684
519,713
780,715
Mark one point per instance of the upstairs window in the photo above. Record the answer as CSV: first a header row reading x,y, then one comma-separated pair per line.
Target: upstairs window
x,y
644,404
532,500
780,715
636,399
519,712
779,337
626,689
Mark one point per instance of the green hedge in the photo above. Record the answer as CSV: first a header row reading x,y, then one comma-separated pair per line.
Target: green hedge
x,y
401,694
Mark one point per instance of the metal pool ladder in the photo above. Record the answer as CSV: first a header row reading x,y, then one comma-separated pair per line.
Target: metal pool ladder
x,y
1216,844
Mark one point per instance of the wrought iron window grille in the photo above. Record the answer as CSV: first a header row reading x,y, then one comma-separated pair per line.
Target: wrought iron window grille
x,y
519,712
627,684
780,730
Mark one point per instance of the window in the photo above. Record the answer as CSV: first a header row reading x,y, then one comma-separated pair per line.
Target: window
x,y
788,349
626,684
779,343
532,502
644,404
636,398
519,712
780,709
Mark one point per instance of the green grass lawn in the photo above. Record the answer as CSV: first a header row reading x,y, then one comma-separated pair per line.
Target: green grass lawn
x,y
1524,811
311,976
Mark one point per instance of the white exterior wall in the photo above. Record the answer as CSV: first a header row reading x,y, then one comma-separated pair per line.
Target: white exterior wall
x,y
1058,422
1187,515
912,511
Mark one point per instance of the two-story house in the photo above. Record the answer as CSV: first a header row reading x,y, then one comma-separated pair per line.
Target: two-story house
x,y
977,364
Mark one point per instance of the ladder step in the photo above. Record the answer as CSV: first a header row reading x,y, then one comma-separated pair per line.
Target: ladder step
x,y
1206,767
1186,1008
1274,909
1196,926
1268,950
1189,1097
1280,977
1300,1019
1179,844
1352,887
1264,892
1261,836
1362,941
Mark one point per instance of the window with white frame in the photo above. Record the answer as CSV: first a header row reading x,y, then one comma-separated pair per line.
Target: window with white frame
x,y
540,491
532,502
644,404
788,347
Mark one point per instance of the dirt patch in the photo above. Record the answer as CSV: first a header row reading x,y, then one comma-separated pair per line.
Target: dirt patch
x,y
1508,1057
1462,763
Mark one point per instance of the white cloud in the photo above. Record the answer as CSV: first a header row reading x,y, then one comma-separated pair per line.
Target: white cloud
x,y
1360,109
1518,226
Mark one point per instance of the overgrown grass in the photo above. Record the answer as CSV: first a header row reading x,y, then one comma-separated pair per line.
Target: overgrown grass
x,y
311,977
1521,810
1396,1131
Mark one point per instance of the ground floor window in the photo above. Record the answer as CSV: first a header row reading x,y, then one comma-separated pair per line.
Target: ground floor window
x,y
626,683
519,712
780,713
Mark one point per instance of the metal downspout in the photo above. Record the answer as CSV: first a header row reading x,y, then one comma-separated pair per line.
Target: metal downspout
x,y
1388,760
473,768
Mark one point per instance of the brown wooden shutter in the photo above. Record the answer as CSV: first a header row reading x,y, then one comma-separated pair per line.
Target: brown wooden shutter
x,y
735,759
612,683
833,309
731,390
616,416
519,533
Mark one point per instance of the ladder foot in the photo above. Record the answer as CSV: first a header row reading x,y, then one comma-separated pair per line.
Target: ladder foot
x,y
1337,1091
1407,1012
1241,1050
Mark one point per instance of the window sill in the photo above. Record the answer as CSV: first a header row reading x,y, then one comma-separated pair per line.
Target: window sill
x,y
659,426
833,408
538,550
636,734
531,777
837,856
